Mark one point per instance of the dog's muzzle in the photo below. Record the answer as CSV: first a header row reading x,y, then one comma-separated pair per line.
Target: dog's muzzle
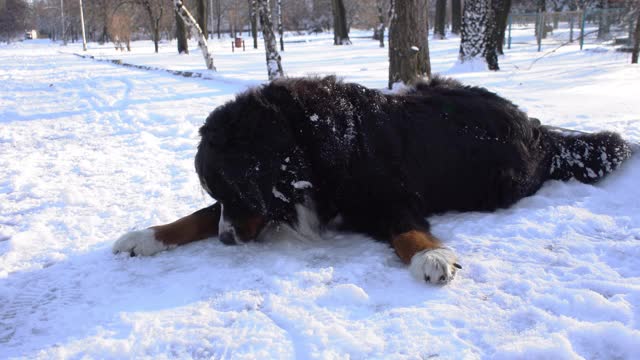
x,y
228,238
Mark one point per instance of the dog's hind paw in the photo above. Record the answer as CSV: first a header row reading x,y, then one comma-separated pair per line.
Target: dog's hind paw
x,y
139,242
435,266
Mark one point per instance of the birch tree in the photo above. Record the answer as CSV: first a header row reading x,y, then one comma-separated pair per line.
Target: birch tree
x,y
196,32
480,32
274,66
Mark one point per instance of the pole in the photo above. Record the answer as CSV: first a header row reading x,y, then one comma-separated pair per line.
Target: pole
x,y
571,27
280,28
540,20
509,37
64,31
84,37
584,19
211,16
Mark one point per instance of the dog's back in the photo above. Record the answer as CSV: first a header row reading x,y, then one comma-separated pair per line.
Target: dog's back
x,y
440,144
497,154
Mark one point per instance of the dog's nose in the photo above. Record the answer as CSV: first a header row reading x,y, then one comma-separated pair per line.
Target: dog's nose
x,y
228,238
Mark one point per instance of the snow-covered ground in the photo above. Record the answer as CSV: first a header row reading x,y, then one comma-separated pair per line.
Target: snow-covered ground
x,y
89,150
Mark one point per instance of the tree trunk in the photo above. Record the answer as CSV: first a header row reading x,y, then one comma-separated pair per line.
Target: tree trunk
x,y
340,31
379,34
636,41
408,42
105,21
274,66
181,35
542,7
456,16
156,33
478,38
502,9
439,23
604,26
154,21
196,32
219,16
280,28
201,16
253,20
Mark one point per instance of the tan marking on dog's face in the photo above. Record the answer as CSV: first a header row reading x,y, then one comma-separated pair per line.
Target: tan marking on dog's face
x,y
411,242
235,231
250,228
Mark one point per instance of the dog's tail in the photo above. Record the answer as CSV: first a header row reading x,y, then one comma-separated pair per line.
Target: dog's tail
x,y
587,157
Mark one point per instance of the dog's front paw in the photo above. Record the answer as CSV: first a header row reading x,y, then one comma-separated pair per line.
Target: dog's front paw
x,y
435,266
139,242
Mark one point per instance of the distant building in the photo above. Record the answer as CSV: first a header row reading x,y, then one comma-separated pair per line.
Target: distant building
x,y
30,34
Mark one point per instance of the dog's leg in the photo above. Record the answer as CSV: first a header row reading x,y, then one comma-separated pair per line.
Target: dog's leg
x,y
428,260
200,225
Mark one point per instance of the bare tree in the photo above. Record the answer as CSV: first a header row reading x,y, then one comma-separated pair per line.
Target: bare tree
x,y
280,28
480,33
181,35
322,14
13,18
456,16
604,25
218,11
408,42
105,11
274,65
636,40
253,21
201,15
340,31
378,34
120,26
502,9
154,10
439,22
196,32
541,27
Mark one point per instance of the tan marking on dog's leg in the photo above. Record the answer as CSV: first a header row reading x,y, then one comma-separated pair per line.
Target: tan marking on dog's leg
x,y
197,226
200,225
428,260
411,242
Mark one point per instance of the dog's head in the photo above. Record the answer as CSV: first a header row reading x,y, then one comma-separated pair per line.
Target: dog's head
x,y
249,161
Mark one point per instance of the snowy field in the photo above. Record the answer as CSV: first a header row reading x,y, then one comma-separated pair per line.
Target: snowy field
x,y
90,150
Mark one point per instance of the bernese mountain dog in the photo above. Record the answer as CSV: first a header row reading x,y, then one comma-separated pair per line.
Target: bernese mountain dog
x,y
299,153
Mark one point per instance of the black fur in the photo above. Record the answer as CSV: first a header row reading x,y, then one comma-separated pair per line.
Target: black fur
x,y
384,162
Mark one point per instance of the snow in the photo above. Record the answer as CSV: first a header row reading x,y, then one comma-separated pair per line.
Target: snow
x,y
302,184
90,150
279,195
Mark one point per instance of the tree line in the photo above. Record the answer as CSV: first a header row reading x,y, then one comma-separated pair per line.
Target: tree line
x,y
479,23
